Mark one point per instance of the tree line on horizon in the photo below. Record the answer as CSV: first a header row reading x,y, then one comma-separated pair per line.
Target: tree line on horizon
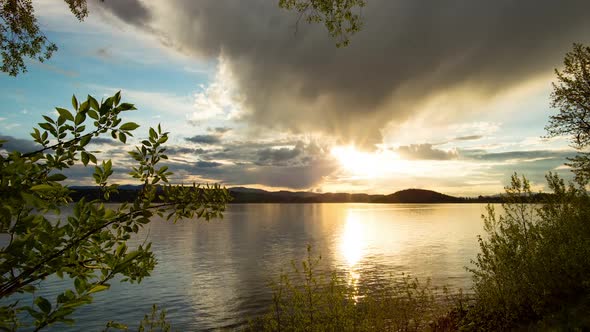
x,y
240,195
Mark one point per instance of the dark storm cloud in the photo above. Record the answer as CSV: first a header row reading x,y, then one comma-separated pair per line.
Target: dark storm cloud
x,y
130,11
277,153
407,51
296,177
424,152
204,139
294,164
18,144
280,155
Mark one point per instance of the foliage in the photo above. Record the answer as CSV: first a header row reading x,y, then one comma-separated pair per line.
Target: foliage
x,y
533,268
533,262
20,36
571,96
88,247
307,299
154,322
338,16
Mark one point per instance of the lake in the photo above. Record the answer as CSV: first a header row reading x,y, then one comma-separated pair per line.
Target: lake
x,y
214,275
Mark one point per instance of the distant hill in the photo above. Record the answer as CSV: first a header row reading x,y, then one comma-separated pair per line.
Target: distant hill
x,y
128,193
404,196
419,196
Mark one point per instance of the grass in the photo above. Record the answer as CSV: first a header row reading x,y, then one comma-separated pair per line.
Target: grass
x,y
307,299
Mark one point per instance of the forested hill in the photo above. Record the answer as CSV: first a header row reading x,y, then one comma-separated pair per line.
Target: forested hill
x,y
249,195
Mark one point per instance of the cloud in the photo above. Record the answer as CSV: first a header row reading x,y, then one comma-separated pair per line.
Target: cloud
x,y
204,139
106,141
282,163
468,138
131,11
174,150
207,164
276,153
277,156
18,144
521,156
425,152
219,99
408,53
295,177
219,130
167,103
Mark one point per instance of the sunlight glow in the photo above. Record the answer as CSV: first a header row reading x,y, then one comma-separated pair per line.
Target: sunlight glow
x,y
368,164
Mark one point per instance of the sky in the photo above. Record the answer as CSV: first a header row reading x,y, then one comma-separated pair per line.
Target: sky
x,y
450,96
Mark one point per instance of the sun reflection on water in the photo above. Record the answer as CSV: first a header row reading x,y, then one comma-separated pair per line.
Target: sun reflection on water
x,y
352,247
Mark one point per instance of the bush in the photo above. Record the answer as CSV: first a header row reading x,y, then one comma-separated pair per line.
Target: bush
x,y
534,261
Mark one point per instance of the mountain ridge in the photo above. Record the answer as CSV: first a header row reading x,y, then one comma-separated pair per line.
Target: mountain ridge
x,y
252,195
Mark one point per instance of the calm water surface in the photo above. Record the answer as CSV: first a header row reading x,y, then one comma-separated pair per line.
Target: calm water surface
x,y
214,275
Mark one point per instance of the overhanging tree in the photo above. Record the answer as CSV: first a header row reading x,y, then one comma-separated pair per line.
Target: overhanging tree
x,y
88,247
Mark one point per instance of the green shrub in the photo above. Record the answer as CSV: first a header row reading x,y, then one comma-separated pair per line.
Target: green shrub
x,y
534,261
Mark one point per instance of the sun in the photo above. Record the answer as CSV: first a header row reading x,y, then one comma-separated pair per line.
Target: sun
x,y
366,164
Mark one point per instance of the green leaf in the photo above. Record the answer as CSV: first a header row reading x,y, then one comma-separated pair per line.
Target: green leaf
x,y
93,104
65,113
123,138
56,177
74,102
85,140
98,288
80,117
117,97
93,114
42,187
46,126
127,107
84,107
129,126
79,284
43,304
48,119
85,158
